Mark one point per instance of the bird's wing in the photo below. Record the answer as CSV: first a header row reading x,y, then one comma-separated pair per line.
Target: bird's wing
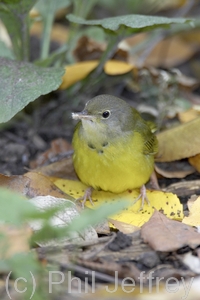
x,y
150,141
150,144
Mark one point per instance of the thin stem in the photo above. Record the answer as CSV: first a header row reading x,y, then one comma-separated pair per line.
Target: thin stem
x,y
46,36
108,53
25,41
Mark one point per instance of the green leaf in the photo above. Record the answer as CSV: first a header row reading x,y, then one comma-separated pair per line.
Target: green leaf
x,y
18,6
14,207
26,266
91,217
21,83
136,23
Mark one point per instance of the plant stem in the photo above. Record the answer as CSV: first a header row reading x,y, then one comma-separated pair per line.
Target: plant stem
x,y
46,36
25,42
108,53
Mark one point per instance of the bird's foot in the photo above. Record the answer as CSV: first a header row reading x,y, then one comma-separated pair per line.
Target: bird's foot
x,y
87,195
143,196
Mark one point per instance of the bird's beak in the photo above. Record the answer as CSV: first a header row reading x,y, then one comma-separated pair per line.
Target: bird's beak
x,y
83,115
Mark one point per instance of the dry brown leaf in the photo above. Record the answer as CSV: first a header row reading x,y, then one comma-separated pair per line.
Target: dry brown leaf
x,y
17,183
41,185
123,227
179,142
14,240
88,49
194,216
184,188
62,168
179,169
32,184
164,234
170,52
192,37
58,146
195,161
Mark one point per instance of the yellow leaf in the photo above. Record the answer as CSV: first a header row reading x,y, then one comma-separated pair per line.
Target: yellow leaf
x,y
194,217
167,203
179,142
77,72
195,161
188,115
116,67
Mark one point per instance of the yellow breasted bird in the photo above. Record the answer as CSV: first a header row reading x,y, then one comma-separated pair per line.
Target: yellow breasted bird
x,y
114,147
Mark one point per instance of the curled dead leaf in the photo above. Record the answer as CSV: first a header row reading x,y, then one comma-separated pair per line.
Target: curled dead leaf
x,y
179,142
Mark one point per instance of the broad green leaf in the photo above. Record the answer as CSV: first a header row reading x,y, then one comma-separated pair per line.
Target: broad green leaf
x,y
92,217
21,83
14,207
136,23
18,6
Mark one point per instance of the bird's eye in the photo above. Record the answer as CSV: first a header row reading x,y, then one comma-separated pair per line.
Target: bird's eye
x,y
106,114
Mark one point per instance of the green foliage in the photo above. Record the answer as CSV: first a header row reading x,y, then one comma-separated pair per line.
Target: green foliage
x,y
20,87
21,83
134,23
17,211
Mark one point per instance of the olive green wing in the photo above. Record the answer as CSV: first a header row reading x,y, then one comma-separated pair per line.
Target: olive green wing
x,y
146,131
150,145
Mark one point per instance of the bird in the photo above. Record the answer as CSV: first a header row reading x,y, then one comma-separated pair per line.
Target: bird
x,y
114,147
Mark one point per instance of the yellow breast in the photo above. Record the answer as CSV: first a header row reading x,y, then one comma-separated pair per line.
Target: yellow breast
x,y
114,167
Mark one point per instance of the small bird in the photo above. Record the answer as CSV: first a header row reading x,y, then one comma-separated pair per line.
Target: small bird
x,y
114,147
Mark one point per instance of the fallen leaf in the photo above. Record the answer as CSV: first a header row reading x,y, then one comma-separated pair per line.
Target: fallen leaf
x,y
58,146
195,161
179,169
170,52
41,185
14,240
188,115
182,141
116,67
88,49
163,234
166,202
123,227
61,218
80,70
77,72
32,184
184,188
194,214
63,168
17,183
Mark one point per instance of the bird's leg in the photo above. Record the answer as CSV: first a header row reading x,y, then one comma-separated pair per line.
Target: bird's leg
x,y
87,195
154,181
143,196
